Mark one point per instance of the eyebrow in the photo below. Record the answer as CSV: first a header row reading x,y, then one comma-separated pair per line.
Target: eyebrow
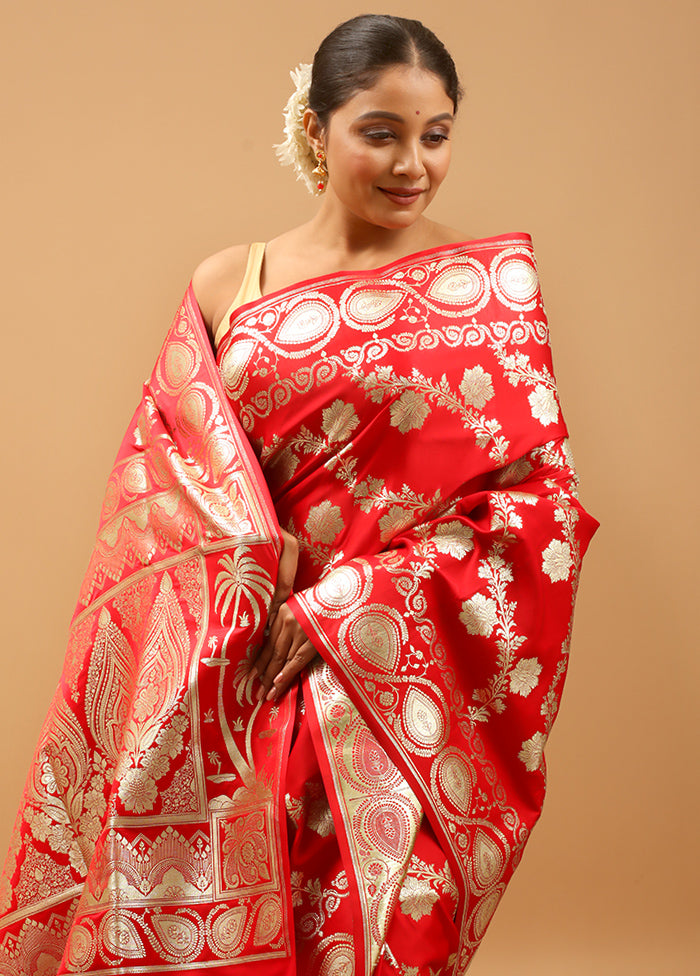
x,y
379,114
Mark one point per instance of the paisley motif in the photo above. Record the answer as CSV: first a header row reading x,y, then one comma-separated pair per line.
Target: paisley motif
x,y
180,361
488,859
311,321
192,412
387,826
227,930
374,634
268,921
514,279
453,781
81,948
335,956
484,912
135,477
120,936
370,307
462,283
234,364
181,938
424,720
370,763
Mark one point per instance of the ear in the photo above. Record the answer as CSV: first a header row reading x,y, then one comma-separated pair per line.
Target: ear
x,y
314,131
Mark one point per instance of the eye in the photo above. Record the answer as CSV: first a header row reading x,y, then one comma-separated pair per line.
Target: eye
x,y
378,135
435,138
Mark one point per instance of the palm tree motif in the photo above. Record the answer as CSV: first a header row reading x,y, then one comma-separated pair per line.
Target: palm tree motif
x,y
241,576
240,579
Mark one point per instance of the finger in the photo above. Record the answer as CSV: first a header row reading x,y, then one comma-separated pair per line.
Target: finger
x,y
272,636
280,653
295,664
285,637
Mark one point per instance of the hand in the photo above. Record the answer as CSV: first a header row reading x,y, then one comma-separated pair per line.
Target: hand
x,y
286,649
285,652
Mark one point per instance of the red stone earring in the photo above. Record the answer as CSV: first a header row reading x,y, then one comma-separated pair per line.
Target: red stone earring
x,y
321,170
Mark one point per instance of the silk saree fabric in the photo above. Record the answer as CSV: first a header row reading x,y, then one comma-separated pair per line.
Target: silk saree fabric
x,y
404,425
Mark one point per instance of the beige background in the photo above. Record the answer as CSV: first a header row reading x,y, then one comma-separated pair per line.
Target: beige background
x,y
137,140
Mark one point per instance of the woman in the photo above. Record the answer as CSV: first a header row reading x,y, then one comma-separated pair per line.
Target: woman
x,y
322,638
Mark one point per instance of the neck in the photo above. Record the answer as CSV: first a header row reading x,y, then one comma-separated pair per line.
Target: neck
x,y
350,238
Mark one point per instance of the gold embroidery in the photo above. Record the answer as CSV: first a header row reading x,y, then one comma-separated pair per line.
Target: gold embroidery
x,y
423,885
514,279
381,814
245,853
324,522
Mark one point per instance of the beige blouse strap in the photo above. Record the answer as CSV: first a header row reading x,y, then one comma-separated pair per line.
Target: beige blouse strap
x,y
249,290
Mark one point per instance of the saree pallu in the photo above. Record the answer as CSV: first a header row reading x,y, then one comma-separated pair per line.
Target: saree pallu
x,y
404,426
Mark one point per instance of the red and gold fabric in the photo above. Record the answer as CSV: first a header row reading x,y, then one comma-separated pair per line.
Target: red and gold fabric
x,y
404,425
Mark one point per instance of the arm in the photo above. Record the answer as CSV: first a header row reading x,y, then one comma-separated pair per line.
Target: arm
x,y
287,649
216,281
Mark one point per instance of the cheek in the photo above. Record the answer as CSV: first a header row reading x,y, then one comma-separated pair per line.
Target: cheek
x,y
440,168
355,166
362,167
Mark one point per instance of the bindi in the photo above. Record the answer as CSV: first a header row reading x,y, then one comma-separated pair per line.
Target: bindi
x,y
417,112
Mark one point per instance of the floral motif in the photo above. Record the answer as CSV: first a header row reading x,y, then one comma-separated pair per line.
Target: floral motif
x,y
557,560
476,387
409,411
318,902
339,421
295,150
170,742
532,751
245,851
454,539
417,898
324,522
479,615
524,676
137,791
155,764
395,520
320,817
543,404
515,472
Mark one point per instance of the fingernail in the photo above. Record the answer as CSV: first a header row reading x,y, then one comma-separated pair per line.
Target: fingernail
x,y
271,695
260,693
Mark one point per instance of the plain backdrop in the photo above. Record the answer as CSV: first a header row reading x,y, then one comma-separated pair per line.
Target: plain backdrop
x,y
137,139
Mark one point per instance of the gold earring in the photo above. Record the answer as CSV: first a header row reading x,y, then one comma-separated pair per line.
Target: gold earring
x,y
321,170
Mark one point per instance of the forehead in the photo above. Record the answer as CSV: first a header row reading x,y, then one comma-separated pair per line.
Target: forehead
x,y
401,89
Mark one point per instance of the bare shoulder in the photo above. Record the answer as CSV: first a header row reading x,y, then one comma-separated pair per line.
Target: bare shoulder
x,y
217,279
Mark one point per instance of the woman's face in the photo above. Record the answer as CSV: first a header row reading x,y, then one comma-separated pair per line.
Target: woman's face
x,y
387,148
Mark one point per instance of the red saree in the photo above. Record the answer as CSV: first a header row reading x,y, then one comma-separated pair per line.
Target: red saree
x,y
403,424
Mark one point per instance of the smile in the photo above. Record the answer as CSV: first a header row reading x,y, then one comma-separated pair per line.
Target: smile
x,y
403,196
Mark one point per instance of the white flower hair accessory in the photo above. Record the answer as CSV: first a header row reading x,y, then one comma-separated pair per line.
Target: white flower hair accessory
x,y
295,150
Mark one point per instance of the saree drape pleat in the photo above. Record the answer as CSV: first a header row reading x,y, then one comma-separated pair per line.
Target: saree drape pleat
x,y
404,425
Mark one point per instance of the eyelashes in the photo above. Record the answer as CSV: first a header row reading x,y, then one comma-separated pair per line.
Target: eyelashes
x,y
385,135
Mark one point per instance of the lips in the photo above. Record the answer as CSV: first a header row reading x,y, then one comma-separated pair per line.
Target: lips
x,y
402,195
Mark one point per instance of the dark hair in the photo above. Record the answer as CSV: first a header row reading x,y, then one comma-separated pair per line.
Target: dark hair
x,y
353,55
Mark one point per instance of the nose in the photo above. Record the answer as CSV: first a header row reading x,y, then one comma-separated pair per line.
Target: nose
x,y
409,160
